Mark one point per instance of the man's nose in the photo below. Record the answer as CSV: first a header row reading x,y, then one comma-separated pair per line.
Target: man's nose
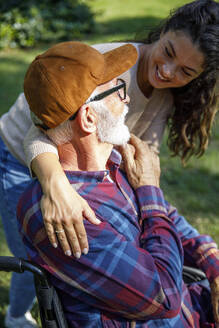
x,y
168,71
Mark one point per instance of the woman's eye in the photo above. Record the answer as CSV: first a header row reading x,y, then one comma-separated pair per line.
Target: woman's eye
x,y
185,72
168,53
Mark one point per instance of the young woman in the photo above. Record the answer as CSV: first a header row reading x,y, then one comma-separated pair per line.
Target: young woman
x,y
173,82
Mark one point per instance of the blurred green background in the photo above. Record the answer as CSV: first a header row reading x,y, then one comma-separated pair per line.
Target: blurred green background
x,y
193,189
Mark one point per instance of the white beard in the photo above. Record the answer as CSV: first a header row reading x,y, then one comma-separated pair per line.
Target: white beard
x,y
111,129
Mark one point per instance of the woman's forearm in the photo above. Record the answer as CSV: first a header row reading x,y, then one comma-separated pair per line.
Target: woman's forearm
x,y
63,209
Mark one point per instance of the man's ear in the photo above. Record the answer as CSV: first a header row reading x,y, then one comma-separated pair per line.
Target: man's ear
x,y
87,119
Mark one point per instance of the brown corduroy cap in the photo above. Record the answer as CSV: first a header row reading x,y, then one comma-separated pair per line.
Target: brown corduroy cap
x,y
59,81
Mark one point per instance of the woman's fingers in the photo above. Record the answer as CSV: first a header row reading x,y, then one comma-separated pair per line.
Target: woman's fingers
x,y
89,214
72,238
81,235
65,227
51,233
63,208
62,239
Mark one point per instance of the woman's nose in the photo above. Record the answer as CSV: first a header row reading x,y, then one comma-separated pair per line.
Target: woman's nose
x,y
168,71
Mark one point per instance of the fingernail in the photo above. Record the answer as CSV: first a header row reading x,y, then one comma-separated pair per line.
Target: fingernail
x,y
68,252
97,221
55,245
85,251
77,255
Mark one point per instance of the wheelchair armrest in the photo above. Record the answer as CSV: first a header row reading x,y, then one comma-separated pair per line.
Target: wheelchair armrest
x,y
15,264
191,274
51,312
9,263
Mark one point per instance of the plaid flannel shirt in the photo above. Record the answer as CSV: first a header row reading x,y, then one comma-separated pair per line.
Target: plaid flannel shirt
x,y
133,271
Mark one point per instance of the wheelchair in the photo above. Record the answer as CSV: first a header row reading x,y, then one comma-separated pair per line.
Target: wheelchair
x,y
50,307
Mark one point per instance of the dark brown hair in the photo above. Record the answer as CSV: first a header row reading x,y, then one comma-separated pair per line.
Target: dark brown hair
x,y
195,103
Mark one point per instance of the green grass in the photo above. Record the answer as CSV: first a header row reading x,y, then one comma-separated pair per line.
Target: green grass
x,y
120,20
193,190
13,65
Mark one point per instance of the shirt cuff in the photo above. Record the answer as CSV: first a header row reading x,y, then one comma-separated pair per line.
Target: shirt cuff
x,y
209,263
151,202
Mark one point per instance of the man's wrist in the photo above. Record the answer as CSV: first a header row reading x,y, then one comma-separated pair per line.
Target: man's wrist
x,y
151,201
149,182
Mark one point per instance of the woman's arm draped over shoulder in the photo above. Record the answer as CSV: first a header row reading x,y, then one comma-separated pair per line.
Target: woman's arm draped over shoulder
x,y
36,143
62,207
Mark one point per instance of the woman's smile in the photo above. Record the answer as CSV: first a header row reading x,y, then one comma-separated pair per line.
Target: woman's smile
x,y
174,61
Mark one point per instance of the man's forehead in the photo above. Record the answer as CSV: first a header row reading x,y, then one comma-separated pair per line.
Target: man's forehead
x,y
106,85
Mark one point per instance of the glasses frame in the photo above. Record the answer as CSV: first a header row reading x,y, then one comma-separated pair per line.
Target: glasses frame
x,y
108,92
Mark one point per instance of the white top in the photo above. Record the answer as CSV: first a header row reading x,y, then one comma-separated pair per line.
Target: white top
x,y
147,117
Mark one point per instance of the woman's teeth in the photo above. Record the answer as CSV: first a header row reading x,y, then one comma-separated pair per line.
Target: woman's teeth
x,y
160,76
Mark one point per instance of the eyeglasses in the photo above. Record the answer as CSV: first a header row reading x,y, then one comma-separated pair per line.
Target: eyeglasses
x,y
121,91
120,88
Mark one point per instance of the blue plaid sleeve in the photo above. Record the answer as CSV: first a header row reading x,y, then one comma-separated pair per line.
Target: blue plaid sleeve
x,y
199,250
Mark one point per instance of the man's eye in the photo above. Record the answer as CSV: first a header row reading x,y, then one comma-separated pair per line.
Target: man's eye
x,y
168,53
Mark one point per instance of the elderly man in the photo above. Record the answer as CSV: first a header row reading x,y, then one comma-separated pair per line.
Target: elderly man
x,y
132,275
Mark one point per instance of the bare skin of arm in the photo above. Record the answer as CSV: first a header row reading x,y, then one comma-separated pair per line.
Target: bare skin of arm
x,y
62,207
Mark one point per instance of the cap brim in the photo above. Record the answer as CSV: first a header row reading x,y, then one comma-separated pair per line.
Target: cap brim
x,y
118,61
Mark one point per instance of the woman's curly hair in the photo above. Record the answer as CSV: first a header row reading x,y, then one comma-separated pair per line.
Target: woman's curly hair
x,y
195,103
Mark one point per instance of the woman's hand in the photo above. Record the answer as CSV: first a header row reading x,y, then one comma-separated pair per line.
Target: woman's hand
x,y
141,164
215,299
63,209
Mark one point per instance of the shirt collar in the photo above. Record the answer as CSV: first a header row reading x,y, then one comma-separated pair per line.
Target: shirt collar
x,y
95,176
115,157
